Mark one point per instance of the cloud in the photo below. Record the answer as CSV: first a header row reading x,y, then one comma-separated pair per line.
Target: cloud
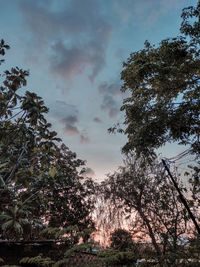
x,y
135,11
74,37
152,10
68,116
97,120
67,61
69,125
88,173
110,105
112,89
59,109
110,93
84,139
71,130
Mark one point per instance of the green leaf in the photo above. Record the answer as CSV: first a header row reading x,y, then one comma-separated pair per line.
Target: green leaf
x,y
3,165
52,172
7,225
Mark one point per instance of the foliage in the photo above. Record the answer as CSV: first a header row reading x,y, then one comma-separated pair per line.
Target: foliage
x,y
121,240
107,216
61,262
163,106
69,235
40,179
194,247
83,247
13,221
194,179
164,87
145,191
115,257
36,261
78,248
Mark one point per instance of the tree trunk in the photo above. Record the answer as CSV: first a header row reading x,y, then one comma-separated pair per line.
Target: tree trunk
x,y
151,234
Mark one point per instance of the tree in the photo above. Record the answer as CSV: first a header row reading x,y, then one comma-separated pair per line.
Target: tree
x,y
144,189
121,240
164,86
40,179
122,250
14,220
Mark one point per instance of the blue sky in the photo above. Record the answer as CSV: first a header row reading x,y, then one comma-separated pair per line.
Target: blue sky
x,y
74,50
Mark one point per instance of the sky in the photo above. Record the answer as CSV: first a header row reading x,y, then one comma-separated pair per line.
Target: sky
x,y
74,50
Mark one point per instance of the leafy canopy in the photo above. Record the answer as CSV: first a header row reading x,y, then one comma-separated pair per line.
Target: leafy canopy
x,y
40,179
164,86
151,206
121,240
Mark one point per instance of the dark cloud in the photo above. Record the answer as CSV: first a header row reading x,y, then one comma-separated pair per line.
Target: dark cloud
x,y
39,20
69,125
68,116
84,139
74,37
70,119
71,130
97,120
67,60
59,109
110,93
111,89
110,105
88,172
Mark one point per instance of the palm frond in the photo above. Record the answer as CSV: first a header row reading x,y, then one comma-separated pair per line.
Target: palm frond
x,y
5,226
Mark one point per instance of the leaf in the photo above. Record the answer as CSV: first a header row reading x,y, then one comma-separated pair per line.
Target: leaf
x,y
3,165
15,210
2,183
31,169
35,149
7,225
4,217
52,172
18,227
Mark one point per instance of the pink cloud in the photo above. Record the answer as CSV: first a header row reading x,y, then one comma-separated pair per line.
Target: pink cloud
x,y
73,38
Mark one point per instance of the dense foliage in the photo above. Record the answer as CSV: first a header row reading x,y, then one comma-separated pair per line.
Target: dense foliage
x,y
40,179
163,106
121,240
43,195
145,190
164,87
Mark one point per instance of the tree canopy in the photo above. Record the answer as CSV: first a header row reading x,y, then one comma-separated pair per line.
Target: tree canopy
x,y
144,190
164,87
121,240
40,178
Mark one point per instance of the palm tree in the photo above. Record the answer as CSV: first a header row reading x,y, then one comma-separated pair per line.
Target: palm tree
x,y
14,220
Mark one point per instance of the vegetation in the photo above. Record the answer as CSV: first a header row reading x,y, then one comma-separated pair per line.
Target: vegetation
x,y
42,192
163,83
45,199
163,106
121,240
117,258
145,191
37,261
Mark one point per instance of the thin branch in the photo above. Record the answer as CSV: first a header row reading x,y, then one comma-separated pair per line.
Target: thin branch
x,y
13,116
17,164
30,197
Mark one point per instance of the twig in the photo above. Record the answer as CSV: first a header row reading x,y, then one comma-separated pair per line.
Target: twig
x,y
18,162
